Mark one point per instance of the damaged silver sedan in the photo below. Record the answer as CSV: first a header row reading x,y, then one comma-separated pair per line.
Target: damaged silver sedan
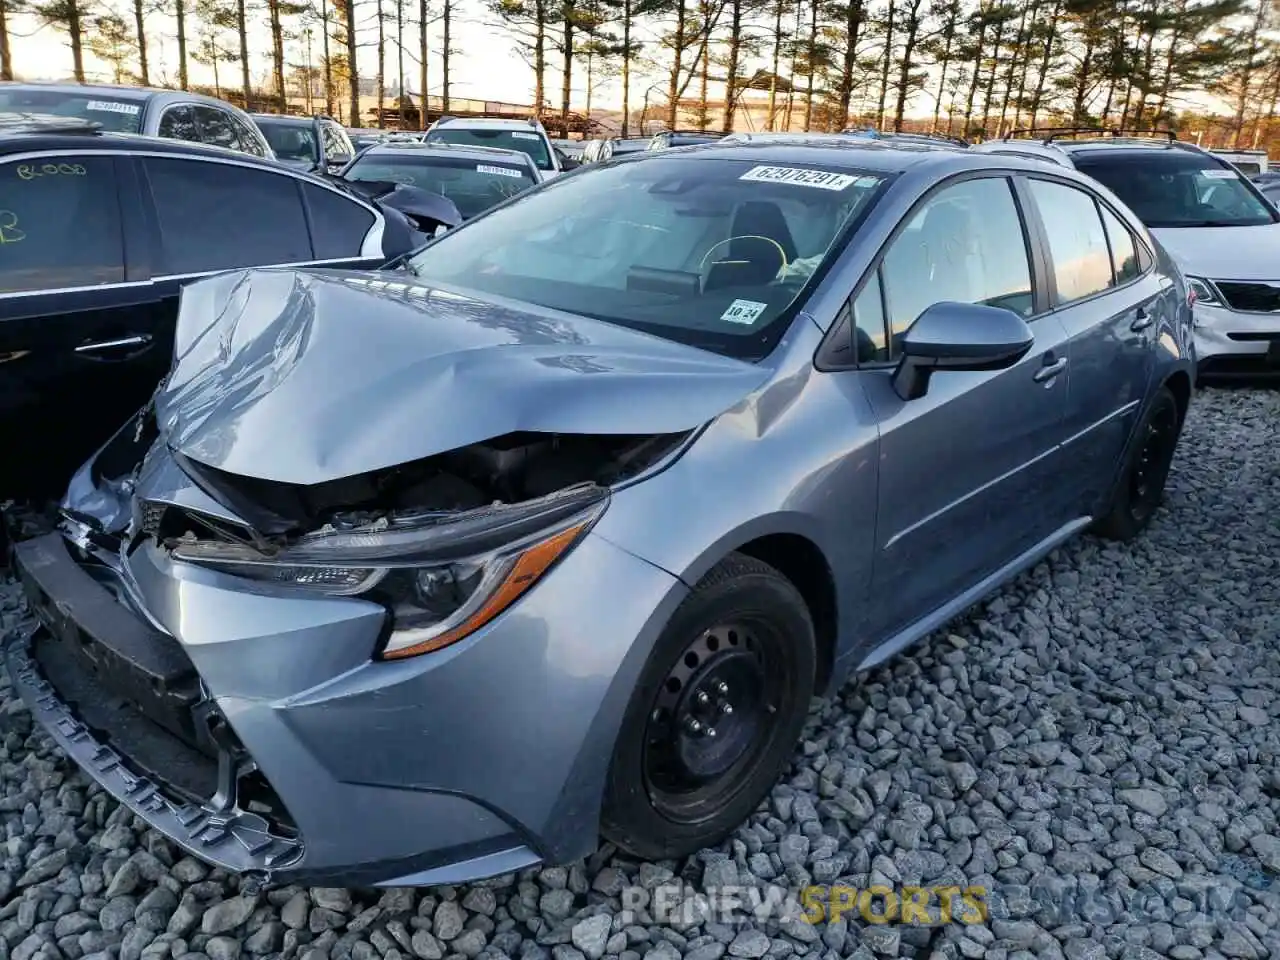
x,y
438,572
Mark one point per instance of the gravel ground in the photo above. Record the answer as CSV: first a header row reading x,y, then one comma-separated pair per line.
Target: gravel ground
x,y
1095,748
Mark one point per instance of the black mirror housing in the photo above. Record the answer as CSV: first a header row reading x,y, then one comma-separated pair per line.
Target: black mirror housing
x,y
959,336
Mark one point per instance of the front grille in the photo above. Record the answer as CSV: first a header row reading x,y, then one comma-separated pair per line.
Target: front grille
x,y
1250,297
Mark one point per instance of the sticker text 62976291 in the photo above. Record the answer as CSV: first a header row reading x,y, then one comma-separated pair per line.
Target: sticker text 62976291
x,y
822,179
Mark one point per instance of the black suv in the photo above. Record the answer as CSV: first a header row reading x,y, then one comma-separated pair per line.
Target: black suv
x,y
98,234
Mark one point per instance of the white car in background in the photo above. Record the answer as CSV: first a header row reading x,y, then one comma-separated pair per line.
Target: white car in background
x,y
527,136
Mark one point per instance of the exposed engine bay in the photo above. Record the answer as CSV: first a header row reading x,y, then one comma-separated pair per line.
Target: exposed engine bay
x,y
506,470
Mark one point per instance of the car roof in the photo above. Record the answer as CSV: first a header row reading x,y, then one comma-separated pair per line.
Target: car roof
x,y
483,123
876,156
117,92
20,139
463,151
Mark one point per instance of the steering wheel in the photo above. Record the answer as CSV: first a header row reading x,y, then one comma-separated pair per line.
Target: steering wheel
x,y
743,236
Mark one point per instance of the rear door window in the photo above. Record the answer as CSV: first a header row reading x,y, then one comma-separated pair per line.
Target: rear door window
x,y
338,224
251,141
60,224
218,216
216,128
1077,241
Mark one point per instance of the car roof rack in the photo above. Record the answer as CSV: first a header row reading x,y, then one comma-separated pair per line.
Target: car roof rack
x,y
1049,135
15,122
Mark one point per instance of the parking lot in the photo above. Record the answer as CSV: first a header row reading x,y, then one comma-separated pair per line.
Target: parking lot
x,y
1106,723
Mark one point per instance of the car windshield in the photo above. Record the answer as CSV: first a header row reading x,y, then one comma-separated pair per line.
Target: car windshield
x,y
115,114
1178,188
713,253
528,142
290,141
473,185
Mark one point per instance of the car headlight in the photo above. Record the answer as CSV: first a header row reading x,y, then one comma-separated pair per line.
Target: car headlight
x,y
1204,291
440,576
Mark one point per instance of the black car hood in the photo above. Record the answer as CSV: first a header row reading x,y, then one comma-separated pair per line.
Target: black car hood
x,y
304,377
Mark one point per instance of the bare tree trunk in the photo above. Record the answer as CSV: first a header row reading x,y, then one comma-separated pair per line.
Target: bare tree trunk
x,y
217,86
180,15
446,54
852,29
677,54
812,56
904,71
1037,98
382,66
1082,84
704,78
888,58
991,80
626,67
566,67
139,20
353,74
400,62
1016,54
795,57
423,50
277,54
975,80
777,62
539,56
6,59
731,68
242,28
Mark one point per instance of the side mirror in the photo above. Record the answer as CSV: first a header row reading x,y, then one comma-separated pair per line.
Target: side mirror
x,y
958,336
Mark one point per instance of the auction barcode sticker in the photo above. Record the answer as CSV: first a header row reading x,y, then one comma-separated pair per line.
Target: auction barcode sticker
x,y
526,136
801,177
111,106
743,311
1219,173
499,171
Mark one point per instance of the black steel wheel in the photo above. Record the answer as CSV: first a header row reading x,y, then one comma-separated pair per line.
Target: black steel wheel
x,y
716,714
1141,485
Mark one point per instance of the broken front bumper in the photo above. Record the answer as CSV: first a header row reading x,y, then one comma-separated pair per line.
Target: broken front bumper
x,y
252,728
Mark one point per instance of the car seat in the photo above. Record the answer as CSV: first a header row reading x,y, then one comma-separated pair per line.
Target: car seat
x,y
747,260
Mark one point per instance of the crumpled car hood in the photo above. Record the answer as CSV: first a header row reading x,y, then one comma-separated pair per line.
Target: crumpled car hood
x,y
304,377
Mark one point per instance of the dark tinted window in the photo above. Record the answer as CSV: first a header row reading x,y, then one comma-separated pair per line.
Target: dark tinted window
x,y
216,216
1077,243
473,185
59,224
1177,188
528,142
964,244
250,138
179,123
1124,254
216,128
338,225
290,141
870,338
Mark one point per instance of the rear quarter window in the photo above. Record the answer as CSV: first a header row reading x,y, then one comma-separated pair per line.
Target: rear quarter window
x,y
338,225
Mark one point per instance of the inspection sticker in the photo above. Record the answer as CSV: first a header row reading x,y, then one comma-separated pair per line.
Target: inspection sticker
x,y
800,177
499,171
526,136
110,106
744,312
1218,173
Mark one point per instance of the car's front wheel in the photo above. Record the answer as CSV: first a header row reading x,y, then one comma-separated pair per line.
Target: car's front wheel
x,y
716,714
1140,490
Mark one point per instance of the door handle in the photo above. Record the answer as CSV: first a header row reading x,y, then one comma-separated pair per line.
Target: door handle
x,y
1141,321
102,346
1050,370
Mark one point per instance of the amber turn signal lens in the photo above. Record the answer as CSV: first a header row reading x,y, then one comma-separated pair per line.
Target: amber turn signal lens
x,y
524,573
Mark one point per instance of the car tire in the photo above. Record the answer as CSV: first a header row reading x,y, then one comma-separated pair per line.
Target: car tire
x,y
685,770
1140,488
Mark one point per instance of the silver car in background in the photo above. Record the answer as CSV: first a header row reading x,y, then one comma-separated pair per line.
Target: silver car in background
x,y
555,528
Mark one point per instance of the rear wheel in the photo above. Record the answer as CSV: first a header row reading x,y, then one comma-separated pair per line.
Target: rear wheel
x,y
716,713
1140,490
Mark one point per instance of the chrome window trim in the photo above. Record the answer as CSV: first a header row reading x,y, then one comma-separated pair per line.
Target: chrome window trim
x,y
370,249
